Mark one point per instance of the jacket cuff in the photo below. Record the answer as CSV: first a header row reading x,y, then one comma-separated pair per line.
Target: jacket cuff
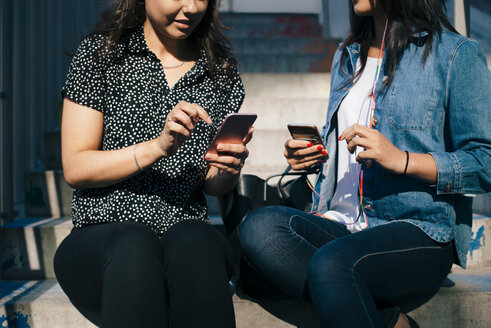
x,y
448,173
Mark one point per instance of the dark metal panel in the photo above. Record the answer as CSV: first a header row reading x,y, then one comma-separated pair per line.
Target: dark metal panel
x,y
6,167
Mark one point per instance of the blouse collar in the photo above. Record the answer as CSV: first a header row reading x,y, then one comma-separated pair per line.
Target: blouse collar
x,y
137,45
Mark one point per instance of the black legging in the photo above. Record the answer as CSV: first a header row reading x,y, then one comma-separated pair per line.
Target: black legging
x,y
122,275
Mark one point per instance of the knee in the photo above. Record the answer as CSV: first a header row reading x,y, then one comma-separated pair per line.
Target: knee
x,y
133,243
191,236
327,264
257,228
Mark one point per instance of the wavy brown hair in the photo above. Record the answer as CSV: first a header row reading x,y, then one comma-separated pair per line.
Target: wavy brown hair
x,y
405,18
126,15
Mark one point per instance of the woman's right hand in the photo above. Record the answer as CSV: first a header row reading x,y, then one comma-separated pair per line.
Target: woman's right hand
x,y
179,125
301,154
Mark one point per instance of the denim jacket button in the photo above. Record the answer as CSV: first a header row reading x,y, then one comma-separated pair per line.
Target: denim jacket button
x,y
375,122
448,187
385,79
368,164
368,207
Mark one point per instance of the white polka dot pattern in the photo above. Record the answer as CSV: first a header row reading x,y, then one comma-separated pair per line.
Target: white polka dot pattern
x,y
129,87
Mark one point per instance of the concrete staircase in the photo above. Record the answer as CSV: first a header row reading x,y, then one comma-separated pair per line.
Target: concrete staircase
x,y
29,293
284,43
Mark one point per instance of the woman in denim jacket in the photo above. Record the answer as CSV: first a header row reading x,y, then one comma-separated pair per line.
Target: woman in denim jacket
x,y
391,207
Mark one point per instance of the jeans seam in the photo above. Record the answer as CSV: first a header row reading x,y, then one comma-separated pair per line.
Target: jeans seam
x,y
394,251
315,225
380,253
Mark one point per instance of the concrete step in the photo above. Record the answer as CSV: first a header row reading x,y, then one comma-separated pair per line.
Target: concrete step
x,y
279,46
37,304
277,113
482,204
43,304
465,305
274,31
479,255
285,63
233,19
47,194
287,85
266,151
27,247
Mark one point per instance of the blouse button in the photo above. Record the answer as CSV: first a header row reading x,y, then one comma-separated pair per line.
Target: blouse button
x,y
448,187
385,79
368,164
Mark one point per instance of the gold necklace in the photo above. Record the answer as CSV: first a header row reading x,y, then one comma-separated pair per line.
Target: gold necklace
x,y
173,66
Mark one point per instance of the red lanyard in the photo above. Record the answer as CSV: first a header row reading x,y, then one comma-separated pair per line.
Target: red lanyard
x,y
372,113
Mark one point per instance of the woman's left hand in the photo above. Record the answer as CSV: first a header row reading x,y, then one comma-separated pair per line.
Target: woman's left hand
x,y
377,147
230,157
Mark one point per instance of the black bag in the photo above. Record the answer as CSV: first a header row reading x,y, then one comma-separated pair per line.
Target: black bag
x,y
251,193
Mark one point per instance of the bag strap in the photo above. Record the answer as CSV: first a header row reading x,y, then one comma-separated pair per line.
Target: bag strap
x,y
312,170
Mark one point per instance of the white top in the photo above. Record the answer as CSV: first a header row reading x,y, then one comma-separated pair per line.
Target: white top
x,y
345,202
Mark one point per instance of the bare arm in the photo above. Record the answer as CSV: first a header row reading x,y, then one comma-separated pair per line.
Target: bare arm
x,y
86,166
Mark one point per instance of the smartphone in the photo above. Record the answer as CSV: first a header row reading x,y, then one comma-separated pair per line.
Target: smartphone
x,y
306,132
233,130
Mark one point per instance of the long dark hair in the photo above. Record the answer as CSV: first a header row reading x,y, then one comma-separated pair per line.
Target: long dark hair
x,y
126,15
405,18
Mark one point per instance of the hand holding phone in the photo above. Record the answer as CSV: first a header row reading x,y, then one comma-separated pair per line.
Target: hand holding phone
x,y
307,132
233,130
231,139
302,155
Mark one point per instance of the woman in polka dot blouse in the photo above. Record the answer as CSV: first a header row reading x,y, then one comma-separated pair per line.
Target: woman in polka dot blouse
x,y
143,98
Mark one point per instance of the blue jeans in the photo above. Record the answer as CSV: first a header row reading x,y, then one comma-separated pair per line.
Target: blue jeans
x,y
349,278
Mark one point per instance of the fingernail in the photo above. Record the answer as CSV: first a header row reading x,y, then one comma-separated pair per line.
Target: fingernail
x,y
324,152
319,147
340,137
310,144
219,147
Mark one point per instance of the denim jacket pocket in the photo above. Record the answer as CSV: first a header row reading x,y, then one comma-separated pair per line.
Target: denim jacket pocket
x,y
417,205
410,108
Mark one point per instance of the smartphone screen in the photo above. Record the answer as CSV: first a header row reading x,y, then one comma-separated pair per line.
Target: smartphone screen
x,y
307,132
233,130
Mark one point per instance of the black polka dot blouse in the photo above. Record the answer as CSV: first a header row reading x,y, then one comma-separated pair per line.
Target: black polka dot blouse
x,y
129,87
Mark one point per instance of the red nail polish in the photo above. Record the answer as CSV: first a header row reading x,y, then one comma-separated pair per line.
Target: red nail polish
x,y
324,152
340,137
319,147
310,144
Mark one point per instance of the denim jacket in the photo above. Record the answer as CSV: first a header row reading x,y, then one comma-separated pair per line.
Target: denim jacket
x,y
441,108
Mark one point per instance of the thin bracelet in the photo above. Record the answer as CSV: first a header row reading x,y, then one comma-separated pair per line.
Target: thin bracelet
x,y
134,157
407,162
